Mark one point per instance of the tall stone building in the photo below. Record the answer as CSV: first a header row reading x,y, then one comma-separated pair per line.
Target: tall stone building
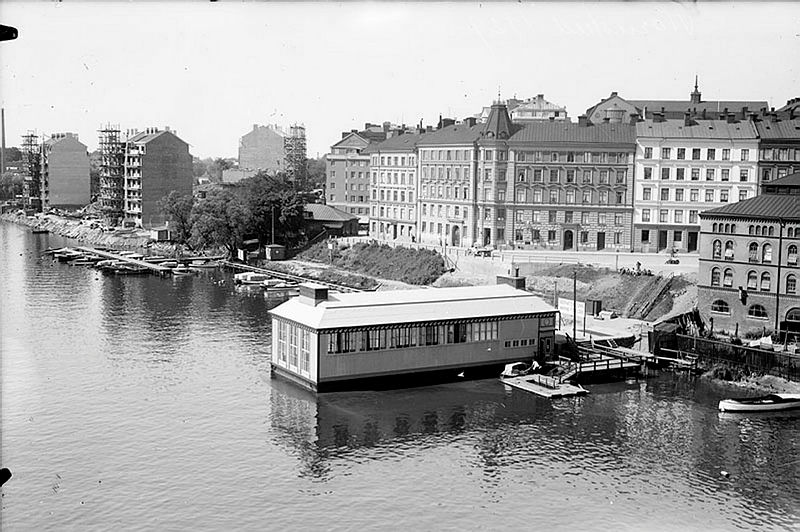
x,y
748,272
65,172
778,147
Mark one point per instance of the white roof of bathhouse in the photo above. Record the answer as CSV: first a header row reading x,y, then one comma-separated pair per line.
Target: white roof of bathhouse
x,y
369,309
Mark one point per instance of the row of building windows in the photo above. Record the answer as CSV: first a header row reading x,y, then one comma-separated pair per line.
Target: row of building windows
x,y
567,217
394,212
710,196
693,174
780,154
393,178
572,157
446,155
353,186
754,311
755,281
397,160
696,153
530,235
402,337
438,210
393,195
664,216
570,176
753,255
294,346
349,162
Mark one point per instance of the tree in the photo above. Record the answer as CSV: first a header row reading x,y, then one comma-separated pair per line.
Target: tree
x,y
261,194
220,220
217,166
179,209
200,166
10,185
315,172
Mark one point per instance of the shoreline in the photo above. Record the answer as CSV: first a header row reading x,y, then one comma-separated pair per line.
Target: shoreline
x,y
78,229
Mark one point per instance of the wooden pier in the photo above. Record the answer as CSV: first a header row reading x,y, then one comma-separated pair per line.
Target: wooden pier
x,y
155,268
287,276
545,386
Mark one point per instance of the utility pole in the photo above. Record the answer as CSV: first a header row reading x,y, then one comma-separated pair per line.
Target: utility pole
x,y
273,224
574,304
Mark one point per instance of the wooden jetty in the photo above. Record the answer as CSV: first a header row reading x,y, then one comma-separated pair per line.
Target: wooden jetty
x,y
545,386
287,276
155,268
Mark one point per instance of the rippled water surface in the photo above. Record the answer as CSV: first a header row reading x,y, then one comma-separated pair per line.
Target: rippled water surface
x,y
147,403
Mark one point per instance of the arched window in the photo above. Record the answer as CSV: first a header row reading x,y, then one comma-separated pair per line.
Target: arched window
x,y
757,311
721,307
714,227
793,314
752,251
729,250
752,280
791,255
717,250
733,228
771,230
715,277
727,277
765,282
758,230
790,232
791,284
766,253
727,228
751,230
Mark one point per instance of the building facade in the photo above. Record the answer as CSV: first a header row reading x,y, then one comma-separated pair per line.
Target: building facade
x,y
448,165
65,172
778,147
326,341
156,163
394,188
262,149
347,176
566,186
685,167
748,271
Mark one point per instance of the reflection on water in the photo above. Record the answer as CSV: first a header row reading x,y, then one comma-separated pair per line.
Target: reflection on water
x,y
147,403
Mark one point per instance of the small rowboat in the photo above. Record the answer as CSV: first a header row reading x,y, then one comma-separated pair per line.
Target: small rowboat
x,y
766,403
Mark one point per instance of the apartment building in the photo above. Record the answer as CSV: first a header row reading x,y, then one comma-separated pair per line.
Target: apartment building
x,y
65,172
567,186
262,149
394,188
748,270
347,176
778,147
448,163
137,170
685,167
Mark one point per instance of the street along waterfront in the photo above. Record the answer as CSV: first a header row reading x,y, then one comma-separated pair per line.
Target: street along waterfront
x,y
142,402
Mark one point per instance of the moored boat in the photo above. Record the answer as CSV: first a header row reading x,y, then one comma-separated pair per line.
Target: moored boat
x,y
766,403
250,278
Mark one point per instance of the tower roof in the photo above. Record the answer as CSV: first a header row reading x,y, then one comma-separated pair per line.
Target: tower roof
x,y
498,125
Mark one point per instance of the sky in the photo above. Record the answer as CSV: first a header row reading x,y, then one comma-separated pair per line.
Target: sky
x,y
212,70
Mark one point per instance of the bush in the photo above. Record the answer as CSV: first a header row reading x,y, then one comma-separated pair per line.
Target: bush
x,y
413,266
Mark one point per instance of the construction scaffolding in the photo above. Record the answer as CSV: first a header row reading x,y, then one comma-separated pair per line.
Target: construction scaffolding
x,y
294,149
112,173
32,168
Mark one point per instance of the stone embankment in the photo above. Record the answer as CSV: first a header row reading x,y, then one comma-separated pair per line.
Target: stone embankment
x,y
92,232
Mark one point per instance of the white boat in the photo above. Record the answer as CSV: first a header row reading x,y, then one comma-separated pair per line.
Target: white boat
x,y
204,264
766,403
250,278
518,369
182,270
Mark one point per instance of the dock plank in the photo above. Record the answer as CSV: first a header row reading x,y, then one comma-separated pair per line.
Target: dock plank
x,y
163,270
544,386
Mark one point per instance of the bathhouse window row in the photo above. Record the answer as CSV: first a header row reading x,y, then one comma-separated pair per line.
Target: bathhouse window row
x,y
380,339
755,311
521,342
294,346
723,228
756,253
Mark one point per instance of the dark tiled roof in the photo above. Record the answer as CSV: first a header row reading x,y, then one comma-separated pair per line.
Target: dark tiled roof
x,y
562,131
785,129
457,134
791,180
326,213
498,125
144,137
707,129
681,106
405,142
770,206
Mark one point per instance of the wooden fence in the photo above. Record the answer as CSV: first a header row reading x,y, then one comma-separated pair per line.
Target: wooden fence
x,y
780,364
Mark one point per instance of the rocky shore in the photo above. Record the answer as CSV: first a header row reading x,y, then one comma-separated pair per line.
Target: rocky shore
x,y
93,233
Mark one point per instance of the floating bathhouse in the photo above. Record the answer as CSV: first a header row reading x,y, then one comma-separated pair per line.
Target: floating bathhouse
x,y
329,341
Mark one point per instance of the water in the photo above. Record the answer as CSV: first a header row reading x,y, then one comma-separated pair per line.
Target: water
x,y
142,403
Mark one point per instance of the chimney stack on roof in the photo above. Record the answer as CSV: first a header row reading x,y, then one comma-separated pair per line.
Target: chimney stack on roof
x,y
687,119
312,294
470,121
658,117
634,118
731,118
